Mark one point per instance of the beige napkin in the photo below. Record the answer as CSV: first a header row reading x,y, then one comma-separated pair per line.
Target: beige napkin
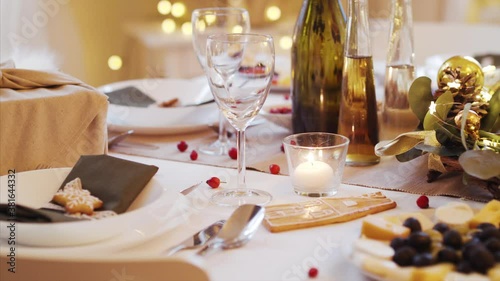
x,y
48,119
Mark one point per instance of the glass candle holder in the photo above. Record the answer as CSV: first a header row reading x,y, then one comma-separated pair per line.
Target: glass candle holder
x,y
316,162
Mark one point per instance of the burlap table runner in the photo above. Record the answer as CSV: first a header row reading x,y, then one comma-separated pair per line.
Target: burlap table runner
x,y
264,148
48,119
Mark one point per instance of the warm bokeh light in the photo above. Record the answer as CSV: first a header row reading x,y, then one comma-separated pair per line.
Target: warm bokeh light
x,y
200,25
115,62
237,29
273,13
235,3
187,28
286,42
164,7
178,9
168,26
210,19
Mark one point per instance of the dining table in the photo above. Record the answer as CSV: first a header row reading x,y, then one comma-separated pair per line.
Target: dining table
x,y
287,255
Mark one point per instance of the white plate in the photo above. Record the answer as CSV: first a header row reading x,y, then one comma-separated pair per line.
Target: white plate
x,y
281,119
155,120
153,212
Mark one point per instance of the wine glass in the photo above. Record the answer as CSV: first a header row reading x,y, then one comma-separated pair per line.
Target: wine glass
x,y
240,69
205,22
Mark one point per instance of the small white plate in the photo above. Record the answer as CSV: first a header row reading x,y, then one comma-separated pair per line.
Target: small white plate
x,y
281,119
154,210
156,120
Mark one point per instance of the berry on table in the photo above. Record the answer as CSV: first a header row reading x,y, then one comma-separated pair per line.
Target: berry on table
x,y
213,182
423,202
182,146
282,148
313,272
274,169
233,153
193,155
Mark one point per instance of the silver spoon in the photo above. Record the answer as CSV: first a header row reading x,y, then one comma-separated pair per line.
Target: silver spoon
x,y
238,230
198,239
118,138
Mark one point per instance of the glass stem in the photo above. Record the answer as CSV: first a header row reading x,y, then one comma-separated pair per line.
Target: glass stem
x,y
222,130
240,144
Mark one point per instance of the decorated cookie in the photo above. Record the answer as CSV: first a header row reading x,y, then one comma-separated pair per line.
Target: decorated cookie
x,y
75,199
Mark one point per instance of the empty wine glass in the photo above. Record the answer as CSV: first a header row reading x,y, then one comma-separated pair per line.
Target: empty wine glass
x,y
205,22
240,69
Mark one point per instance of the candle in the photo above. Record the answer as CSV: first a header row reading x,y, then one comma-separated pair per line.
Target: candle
x,y
313,176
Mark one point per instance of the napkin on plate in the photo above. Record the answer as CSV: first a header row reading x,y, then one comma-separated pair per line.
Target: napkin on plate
x,y
115,181
130,96
27,214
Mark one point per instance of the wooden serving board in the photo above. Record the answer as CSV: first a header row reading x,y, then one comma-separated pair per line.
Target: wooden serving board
x,y
324,211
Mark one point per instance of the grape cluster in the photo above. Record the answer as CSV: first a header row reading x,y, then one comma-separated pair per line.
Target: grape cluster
x,y
468,249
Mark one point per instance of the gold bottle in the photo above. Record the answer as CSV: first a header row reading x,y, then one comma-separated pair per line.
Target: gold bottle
x,y
358,105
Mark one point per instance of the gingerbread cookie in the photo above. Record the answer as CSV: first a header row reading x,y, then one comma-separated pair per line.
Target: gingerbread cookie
x,y
76,199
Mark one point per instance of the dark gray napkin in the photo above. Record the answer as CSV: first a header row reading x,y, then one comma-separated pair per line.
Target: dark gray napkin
x,y
115,181
21,213
130,96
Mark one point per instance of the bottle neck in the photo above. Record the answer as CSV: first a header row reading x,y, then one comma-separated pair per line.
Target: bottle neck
x,y
401,49
358,30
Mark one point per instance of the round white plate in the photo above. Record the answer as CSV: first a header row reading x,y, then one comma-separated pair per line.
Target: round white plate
x,y
156,120
153,212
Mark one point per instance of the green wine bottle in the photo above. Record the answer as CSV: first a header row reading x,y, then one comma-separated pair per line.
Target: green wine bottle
x,y
317,61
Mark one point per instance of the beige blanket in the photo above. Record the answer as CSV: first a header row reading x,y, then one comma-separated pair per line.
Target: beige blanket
x,y
48,119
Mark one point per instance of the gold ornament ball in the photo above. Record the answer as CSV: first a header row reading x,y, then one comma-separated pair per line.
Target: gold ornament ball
x,y
467,66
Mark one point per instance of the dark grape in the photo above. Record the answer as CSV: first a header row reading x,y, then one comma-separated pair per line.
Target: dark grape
x,y
485,225
469,246
448,255
441,227
398,242
487,233
413,224
497,256
423,259
493,245
464,267
421,241
453,239
404,256
482,259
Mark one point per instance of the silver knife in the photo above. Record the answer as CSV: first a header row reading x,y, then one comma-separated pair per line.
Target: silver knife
x,y
188,190
198,239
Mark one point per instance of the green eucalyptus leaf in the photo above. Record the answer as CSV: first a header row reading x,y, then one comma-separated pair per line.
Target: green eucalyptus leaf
x,y
409,155
483,164
431,121
440,150
493,116
434,120
444,104
405,142
420,96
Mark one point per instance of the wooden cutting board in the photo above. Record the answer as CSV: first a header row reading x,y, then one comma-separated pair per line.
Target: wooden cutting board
x,y
324,211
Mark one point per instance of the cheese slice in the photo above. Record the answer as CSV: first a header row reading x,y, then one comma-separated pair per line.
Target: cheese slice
x,y
432,273
489,213
376,227
454,213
